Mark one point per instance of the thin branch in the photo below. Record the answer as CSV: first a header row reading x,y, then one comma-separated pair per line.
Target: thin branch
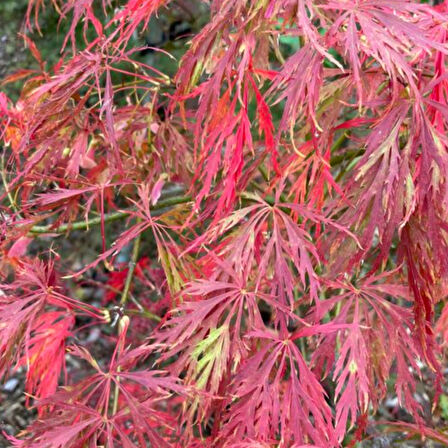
x,y
338,144
12,202
348,155
124,298
131,269
158,209
145,313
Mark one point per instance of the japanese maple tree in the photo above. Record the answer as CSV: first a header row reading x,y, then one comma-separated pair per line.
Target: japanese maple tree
x,y
257,236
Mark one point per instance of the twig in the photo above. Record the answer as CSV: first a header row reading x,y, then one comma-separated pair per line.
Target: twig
x,y
12,202
347,155
145,313
131,270
339,142
124,298
157,210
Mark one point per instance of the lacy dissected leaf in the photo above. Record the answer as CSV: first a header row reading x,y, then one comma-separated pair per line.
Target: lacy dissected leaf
x,y
392,33
23,324
53,112
424,274
299,84
207,330
275,394
134,13
45,352
384,182
271,238
15,326
378,343
100,408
